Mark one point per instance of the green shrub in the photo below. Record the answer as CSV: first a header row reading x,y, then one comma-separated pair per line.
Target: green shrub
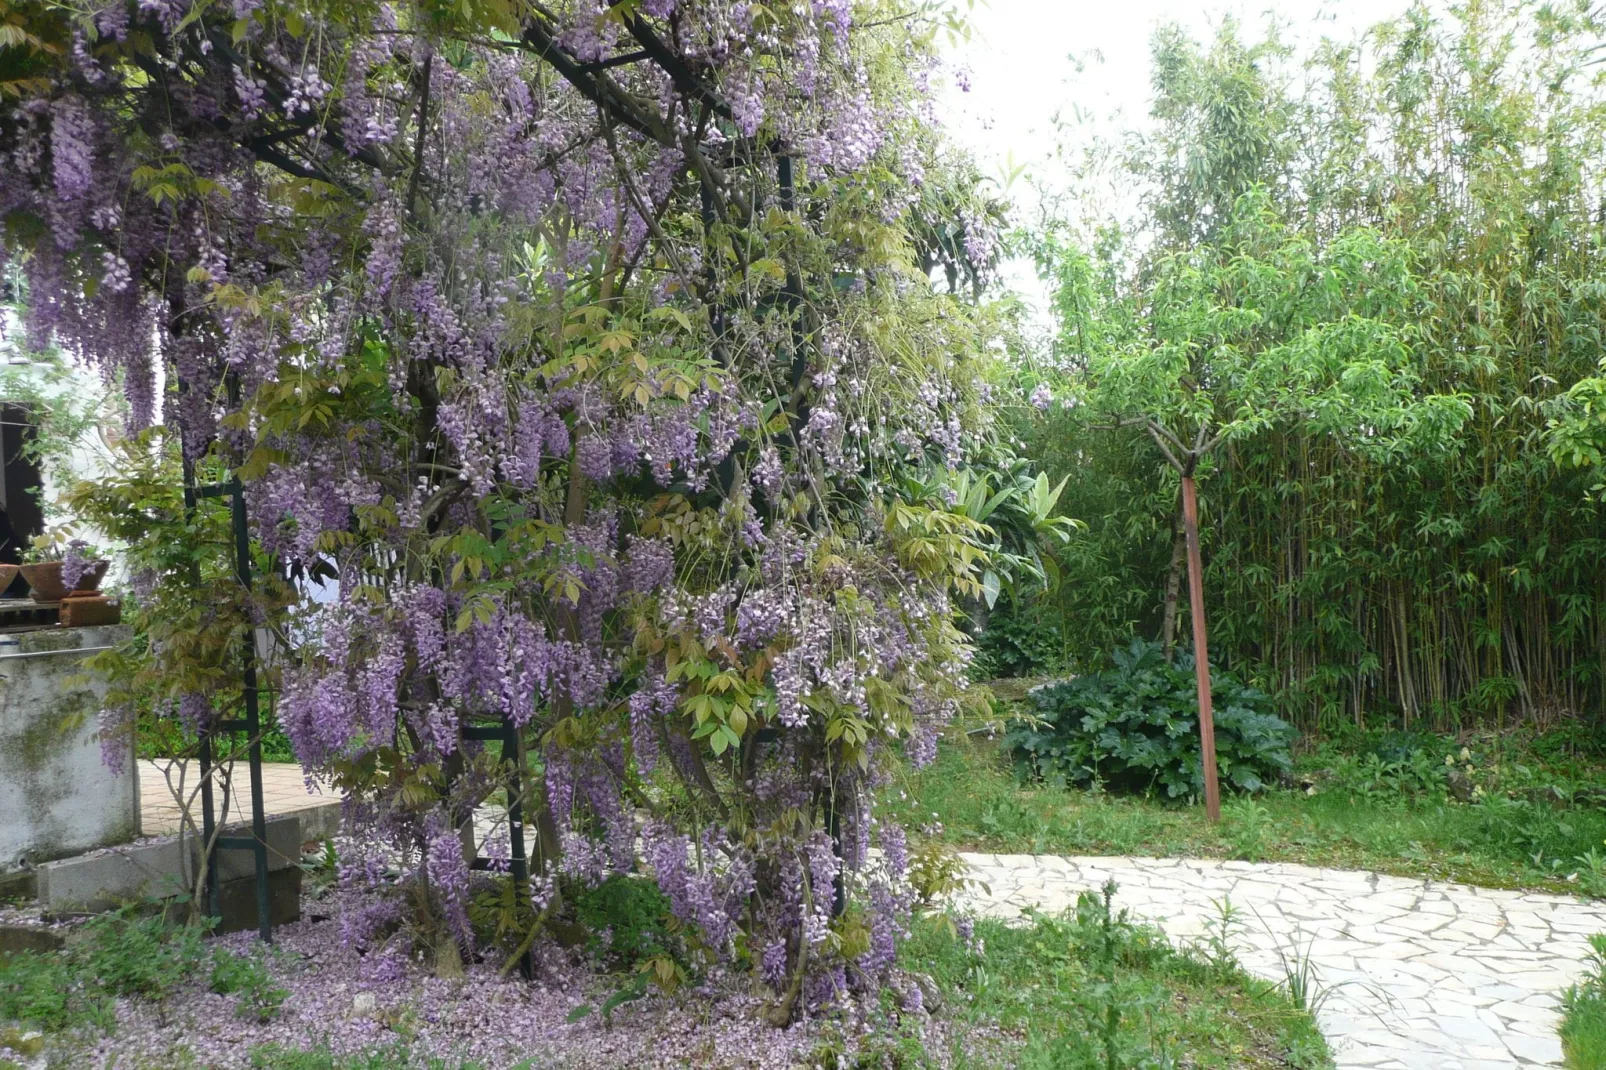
x,y
1017,643
1378,766
113,955
35,990
124,955
247,977
1135,727
629,921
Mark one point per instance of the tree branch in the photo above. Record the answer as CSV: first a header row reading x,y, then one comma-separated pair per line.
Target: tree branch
x,y
681,75
595,87
1154,432
418,142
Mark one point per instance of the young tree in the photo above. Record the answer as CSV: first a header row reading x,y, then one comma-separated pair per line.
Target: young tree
x,y
1258,329
1435,588
583,346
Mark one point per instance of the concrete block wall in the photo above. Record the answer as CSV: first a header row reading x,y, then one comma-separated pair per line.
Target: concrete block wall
x,y
157,870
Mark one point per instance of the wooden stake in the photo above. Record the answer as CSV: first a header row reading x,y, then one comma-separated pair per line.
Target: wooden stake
x,y
1201,650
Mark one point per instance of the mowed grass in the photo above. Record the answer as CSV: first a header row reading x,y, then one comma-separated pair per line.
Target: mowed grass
x,y
972,794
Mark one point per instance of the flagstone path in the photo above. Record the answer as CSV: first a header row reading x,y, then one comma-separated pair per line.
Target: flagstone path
x,y
1420,975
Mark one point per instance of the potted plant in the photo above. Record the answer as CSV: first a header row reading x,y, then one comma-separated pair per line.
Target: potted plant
x,y
58,566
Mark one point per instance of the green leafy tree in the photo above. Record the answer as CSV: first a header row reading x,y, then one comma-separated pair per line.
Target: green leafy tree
x,y
1262,329
1355,582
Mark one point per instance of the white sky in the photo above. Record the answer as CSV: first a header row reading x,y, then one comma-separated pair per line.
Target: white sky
x,y
1020,55
1022,72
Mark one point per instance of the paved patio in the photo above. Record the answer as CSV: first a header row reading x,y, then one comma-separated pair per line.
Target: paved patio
x,y
162,782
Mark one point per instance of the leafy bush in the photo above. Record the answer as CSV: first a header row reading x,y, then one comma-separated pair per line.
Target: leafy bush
x,y
1376,776
629,921
131,956
35,990
1136,727
1017,643
113,955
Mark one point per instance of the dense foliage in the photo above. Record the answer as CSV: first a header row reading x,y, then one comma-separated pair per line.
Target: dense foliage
x,y
582,358
1442,178
1135,727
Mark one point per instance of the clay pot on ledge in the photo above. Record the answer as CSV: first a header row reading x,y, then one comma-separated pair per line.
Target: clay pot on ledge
x,y
8,573
44,580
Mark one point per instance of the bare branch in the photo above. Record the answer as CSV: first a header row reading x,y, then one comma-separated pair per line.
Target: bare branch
x,y
1155,432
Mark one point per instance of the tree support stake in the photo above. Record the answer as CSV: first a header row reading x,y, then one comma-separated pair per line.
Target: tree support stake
x,y
1201,650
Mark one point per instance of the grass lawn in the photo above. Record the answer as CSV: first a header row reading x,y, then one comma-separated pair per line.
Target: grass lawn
x,y
972,792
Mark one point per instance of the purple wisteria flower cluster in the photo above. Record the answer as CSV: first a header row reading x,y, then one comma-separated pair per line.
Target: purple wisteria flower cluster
x,y
581,353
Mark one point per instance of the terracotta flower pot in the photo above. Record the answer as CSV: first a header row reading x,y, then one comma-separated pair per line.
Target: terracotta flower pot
x,y
7,574
44,580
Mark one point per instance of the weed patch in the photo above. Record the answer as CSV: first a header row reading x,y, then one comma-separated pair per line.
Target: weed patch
x,y
1092,989
1583,1027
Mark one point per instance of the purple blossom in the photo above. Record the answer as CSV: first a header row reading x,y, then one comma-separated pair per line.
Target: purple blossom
x,y
692,892
649,564
112,20
440,490
594,455
449,875
922,747
74,565
652,702
895,848
116,725
115,275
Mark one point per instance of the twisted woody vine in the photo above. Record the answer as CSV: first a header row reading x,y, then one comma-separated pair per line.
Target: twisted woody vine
x,y
582,349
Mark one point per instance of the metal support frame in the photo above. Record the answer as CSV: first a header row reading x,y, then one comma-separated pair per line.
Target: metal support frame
x,y
250,724
507,734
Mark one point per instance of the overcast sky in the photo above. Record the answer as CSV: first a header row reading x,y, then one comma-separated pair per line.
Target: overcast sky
x,y
1022,65
1022,73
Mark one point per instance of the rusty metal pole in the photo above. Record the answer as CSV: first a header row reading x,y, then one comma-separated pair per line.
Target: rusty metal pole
x,y
1201,650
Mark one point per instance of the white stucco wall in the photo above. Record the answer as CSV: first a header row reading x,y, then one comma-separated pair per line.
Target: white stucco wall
x,y
57,796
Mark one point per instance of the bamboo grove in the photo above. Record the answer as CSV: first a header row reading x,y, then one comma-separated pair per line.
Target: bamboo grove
x,y
1410,586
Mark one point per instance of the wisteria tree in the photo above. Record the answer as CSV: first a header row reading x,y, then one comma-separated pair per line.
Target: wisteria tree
x,y
582,347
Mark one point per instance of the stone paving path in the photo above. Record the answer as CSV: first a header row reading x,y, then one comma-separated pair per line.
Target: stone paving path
x,y
1421,975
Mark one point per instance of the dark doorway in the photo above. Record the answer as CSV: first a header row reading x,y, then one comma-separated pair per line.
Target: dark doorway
x,y
21,513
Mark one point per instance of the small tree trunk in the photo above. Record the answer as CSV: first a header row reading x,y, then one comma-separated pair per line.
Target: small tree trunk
x,y
1173,586
1201,650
